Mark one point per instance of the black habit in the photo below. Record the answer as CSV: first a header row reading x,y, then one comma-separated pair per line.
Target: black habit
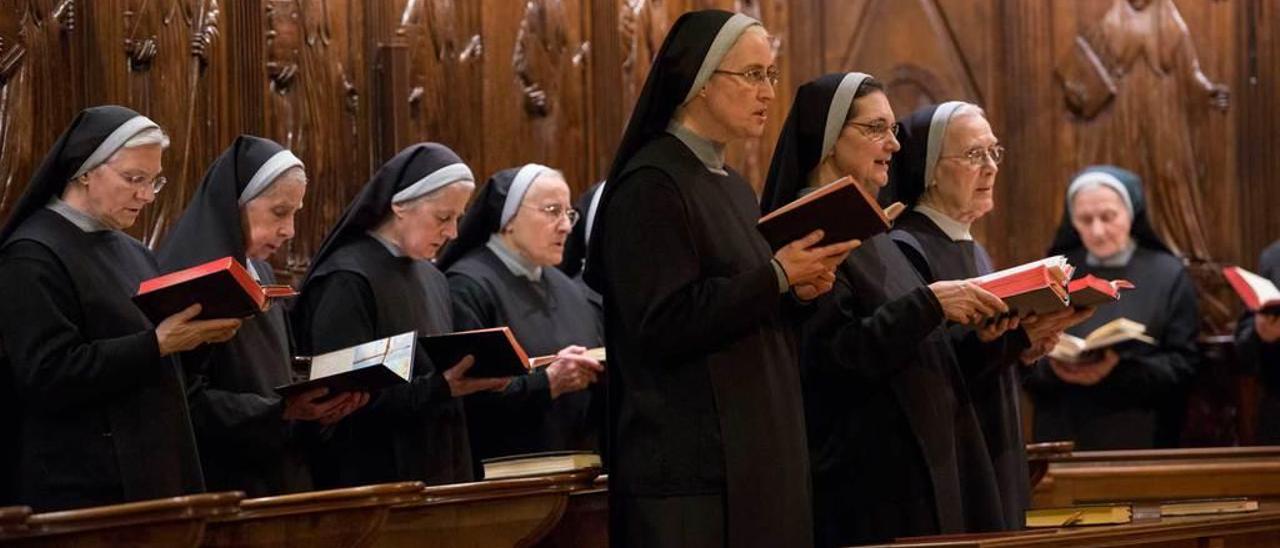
x,y
1140,404
896,449
990,369
359,290
545,315
706,440
95,400
245,443
1262,358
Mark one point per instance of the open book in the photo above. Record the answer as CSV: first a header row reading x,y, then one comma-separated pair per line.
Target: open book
x,y
496,351
223,288
1072,349
841,209
1091,290
536,464
368,366
1259,294
1038,287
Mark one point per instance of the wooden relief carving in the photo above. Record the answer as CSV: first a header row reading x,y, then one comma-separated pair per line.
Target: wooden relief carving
x,y
284,43
541,46
16,123
445,51
1135,80
65,14
206,25
642,25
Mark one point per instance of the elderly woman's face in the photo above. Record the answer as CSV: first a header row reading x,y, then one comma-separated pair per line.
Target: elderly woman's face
x,y
424,225
866,143
268,219
736,103
1100,217
542,223
966,190
117,190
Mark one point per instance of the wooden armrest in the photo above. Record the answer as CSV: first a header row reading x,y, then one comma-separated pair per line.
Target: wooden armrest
x,y
190,507
385,494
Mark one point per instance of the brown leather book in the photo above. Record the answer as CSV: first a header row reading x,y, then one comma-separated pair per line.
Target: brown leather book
x,y
842,210
496,351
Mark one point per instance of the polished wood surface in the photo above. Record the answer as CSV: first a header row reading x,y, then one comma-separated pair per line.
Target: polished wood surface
x,y
339,517
13,519
177,521
1125,476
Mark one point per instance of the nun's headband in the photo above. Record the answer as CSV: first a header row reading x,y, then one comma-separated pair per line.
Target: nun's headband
x,y
1099,178
720,46
434,181
937,132
519,186
114,142
839,109
276,165
591,213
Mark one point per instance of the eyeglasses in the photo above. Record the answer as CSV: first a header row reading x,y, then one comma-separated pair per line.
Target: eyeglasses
x,y
140,181
875,131
555,211
978,155
757,75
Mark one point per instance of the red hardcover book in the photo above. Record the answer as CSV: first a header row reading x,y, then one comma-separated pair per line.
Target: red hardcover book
x,y
1259,294
842,209
1091,290
1039,287
223,288
496,351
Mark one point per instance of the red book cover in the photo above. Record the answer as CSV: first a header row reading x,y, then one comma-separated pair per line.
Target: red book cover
x,y
842,209
1091,290
1034,288
1258,293
223,288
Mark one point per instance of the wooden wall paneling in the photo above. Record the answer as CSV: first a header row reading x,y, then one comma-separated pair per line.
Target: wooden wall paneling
x,y
1258,56
28,37
534,87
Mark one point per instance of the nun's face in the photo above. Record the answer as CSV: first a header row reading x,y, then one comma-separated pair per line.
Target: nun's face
x,y
267,220
542,224
738,105
966,191
861,150
1102,220
116,191
424,225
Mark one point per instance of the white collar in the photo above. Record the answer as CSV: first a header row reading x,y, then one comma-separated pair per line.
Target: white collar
x,y
956,230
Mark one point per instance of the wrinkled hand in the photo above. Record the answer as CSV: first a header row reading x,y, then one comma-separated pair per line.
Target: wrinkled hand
x,y
1267,326
964,302
308,406
990,331
1087,373
816,288
461,385
1038,348
572,371
803,263
180,333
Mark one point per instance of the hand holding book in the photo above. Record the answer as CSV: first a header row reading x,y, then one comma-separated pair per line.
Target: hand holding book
x,y
965,302
182,332
317,405
461,385
1086,373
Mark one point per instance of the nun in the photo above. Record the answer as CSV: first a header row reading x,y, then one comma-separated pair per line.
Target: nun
x,y
1134,396
501,271
894,443
373,279
98,387
250,438
706,427
1258,345
575,248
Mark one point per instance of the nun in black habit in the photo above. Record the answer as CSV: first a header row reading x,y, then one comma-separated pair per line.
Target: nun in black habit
x,y
945,174
1135,396
575,248
1258,345
372,279
98,387
706,441
895,446
500,271
250,439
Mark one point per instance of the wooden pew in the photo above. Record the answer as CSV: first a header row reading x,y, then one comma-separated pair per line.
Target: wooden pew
x,y
1257,529
510,512
13,519
585,523
171,522
1101,476
339,517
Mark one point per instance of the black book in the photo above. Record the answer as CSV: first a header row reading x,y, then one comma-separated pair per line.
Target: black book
x,y
842,210
497,353
365,367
